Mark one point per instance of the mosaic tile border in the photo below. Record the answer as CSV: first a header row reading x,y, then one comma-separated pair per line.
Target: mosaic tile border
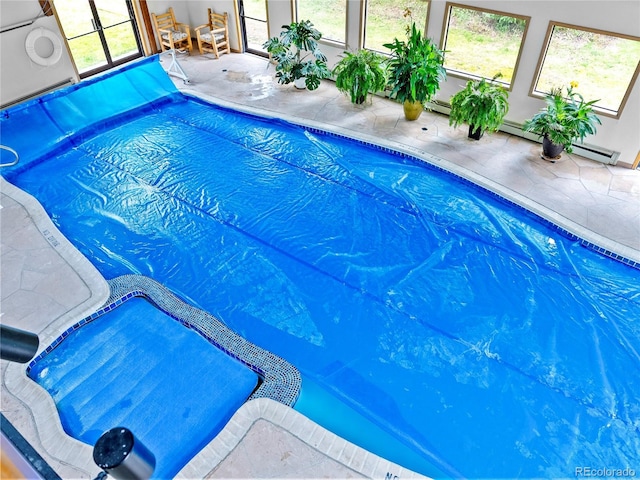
x,y
281,381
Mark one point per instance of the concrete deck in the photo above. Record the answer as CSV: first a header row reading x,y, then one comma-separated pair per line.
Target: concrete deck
x,y
47,285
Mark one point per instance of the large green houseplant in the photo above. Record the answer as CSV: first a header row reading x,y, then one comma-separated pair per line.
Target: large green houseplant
x,y
298,56
361,73
415,70
481,104
565,119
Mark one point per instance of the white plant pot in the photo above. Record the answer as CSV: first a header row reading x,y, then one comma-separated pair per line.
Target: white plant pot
x,y
300,83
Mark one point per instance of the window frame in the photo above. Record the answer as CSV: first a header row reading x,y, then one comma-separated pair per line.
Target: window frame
x,y
363,26
543,54
325,40
470,76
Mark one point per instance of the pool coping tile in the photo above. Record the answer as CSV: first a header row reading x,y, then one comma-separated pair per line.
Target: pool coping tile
x,y
316,438
38,420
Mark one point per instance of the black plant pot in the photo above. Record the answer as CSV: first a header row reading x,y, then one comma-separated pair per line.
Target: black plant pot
x,y
551,150
475,134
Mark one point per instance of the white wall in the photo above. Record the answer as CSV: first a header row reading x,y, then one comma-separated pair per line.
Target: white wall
x,y
19,75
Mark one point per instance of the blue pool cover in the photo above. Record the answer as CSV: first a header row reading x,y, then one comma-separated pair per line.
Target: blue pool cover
x,y
475,335
136,367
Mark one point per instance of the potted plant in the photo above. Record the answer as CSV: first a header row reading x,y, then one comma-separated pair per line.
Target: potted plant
x,y
565,119
481,104
360,73
297,55
415,71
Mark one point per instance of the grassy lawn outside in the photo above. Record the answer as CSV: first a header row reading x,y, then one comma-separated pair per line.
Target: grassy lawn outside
x,y
602,65
328,16
385,21
483,44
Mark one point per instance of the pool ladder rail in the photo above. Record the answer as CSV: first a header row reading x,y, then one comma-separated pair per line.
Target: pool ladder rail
x,y
11,150
175,68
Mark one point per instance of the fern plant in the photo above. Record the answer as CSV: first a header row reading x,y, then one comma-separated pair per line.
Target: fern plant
x,y
361,73
481,104
297,54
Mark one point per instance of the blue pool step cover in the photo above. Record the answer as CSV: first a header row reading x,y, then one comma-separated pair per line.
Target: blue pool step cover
x,y
139,368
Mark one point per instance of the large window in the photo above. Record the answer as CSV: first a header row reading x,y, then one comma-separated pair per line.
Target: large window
x,y
385,21
253,17
101,33
328,16
483,43
603,65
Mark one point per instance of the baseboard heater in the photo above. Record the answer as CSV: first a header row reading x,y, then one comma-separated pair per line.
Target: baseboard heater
x,y
586,150
50,88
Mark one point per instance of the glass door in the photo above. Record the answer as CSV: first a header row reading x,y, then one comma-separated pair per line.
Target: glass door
x,y
101,33
253,19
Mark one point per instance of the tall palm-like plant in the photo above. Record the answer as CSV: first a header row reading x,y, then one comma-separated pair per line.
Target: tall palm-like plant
x,y
297,54
415,68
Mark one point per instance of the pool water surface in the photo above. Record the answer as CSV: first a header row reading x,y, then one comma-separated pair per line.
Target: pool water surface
x,y
484,340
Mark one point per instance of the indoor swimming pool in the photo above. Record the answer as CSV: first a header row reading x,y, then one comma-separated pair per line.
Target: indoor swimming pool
x,y
433,322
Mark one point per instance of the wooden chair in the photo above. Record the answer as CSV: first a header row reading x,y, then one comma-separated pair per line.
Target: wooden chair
x,y
213,37
172,34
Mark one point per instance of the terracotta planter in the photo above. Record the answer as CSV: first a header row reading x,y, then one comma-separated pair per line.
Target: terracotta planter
x,y
551,150
412,110
475,134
